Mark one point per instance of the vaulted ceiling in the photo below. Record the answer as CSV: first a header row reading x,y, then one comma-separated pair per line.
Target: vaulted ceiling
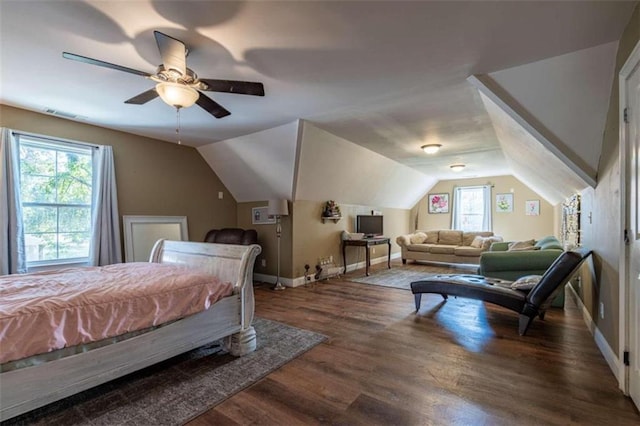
x,y
388,76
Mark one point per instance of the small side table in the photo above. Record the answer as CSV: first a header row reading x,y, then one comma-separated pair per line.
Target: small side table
x,y
366,243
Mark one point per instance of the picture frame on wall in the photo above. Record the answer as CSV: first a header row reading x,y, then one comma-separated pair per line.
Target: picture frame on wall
x,y
532,208
438,203
504,203
260,216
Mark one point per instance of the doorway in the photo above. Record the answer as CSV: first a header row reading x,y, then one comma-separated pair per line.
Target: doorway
x,y
630,262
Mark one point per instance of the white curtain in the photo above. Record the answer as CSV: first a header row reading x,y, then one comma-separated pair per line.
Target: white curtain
x,y
105,240
486,215
456,218
12,251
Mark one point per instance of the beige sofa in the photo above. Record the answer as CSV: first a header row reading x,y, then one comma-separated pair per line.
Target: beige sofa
x,y
446,245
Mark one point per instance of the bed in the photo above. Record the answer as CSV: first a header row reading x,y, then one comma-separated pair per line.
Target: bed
x,y
230,318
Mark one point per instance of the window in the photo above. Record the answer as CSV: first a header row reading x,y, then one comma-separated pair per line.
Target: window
x,y
472,208
56,192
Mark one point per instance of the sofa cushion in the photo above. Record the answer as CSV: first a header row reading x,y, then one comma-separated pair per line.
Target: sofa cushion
x,y
442,249
424,248
450,237
432,237
417,238
467,251
469,236
520,245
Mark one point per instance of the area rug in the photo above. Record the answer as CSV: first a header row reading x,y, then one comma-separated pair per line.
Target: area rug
x,y
175,391
395,277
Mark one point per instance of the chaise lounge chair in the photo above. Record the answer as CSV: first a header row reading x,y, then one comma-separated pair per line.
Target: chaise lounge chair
x,y
528,304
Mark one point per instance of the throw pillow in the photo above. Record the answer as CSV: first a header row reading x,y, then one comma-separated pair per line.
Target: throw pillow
x,y
521,244
418,238
477,242
486,244
526,283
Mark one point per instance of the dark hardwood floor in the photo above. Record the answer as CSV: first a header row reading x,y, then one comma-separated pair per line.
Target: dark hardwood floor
x,y
456,363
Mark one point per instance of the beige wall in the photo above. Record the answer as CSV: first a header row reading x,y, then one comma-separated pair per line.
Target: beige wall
x,y
602,233
268,240
153,177
306,238
511,226
314,239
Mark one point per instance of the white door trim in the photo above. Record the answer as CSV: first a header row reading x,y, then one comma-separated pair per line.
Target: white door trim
x,y
624,284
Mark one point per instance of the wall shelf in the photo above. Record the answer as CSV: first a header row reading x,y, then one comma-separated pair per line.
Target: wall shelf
x,y
331,218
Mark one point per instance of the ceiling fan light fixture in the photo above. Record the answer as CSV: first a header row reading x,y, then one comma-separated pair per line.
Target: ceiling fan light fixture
x,y
457,167
431,148
177,95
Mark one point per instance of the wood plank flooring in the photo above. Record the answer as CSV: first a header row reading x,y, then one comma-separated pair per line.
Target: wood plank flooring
x,y
459,362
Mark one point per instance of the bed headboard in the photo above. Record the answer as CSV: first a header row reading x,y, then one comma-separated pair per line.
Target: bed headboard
x,y
229,262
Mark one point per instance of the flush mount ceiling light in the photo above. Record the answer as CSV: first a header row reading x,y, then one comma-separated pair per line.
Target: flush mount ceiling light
x,y
432,148
457,167
177,95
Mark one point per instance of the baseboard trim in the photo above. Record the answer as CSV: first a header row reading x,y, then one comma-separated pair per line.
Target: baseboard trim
x,y
614,362
300,281
374,261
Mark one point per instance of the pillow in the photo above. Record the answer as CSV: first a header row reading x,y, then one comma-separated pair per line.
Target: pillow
x,y
486,244
418,238
526,283
477,242
519,245
432,237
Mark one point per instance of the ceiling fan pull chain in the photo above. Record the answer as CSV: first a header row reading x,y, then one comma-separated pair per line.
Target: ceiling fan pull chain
x,y
178,125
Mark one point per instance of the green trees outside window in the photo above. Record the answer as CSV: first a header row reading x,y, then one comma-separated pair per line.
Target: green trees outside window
x,y
56,193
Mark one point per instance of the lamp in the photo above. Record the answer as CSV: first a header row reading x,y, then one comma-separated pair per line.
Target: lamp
x,y
457,167
278,208
431,148
177,95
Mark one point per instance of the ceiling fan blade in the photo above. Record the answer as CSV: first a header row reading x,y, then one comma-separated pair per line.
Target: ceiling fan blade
x,y
100,63
211,106
233,86
173,52
143,97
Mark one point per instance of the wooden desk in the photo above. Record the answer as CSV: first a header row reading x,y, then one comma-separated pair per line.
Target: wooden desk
x,y
366,243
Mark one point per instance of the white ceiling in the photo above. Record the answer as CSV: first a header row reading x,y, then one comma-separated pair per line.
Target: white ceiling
x,y
389,76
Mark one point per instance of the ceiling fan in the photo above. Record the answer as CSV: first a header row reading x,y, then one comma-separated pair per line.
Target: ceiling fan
x,y
176,84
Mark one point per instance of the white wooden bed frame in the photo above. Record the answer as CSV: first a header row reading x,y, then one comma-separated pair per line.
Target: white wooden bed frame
x,y
28,388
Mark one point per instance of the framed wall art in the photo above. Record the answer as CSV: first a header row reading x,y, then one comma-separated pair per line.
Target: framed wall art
x,y
438,203
260,216
532,208
504,203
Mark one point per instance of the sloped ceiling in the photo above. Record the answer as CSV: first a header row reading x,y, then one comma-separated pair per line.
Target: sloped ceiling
x,y
332,168
531,161
298,161
567,98
258,166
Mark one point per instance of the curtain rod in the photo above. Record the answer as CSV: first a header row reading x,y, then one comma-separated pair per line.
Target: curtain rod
x,y
49,138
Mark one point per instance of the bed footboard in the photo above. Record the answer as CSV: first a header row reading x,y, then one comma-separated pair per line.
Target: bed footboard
x,y
229,262
230,319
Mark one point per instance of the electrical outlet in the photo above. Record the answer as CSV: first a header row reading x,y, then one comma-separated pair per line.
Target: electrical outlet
x,y
220,195
601,310
264,263
373,250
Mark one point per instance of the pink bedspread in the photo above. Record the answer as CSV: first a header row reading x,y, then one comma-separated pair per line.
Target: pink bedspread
x,y
45,311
